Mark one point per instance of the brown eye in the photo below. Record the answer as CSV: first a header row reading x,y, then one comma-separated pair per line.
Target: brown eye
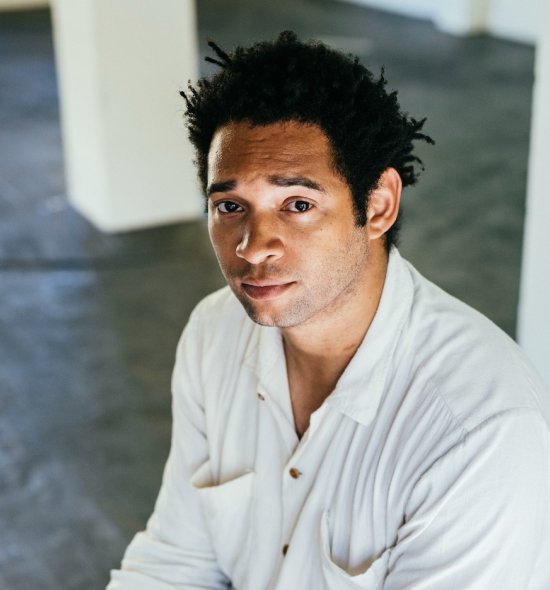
x,y
301,206
228,207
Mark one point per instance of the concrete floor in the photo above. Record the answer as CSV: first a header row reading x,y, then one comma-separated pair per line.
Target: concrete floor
x,y
89,322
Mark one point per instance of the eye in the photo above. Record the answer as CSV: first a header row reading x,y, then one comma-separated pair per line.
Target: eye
x,y
300,206
228,207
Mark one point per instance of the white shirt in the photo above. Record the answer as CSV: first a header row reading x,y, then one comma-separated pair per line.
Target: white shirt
x,y
428,467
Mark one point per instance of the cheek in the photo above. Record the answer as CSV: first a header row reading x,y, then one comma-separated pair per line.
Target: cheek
x,y
215,237
332,237
222,240
341,250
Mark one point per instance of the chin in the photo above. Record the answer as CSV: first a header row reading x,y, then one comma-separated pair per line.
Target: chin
x,y
282,312
259,316
262,320
275,318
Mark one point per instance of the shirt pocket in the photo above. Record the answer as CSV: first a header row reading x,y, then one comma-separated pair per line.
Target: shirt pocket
x,y
227,509
337,578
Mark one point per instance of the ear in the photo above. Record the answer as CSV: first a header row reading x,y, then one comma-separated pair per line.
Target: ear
x,y
384,203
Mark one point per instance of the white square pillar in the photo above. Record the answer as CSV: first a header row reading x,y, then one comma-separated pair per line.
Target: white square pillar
x,y
120,64
534,303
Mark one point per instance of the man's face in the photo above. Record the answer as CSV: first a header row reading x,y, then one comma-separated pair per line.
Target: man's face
x,y
282,223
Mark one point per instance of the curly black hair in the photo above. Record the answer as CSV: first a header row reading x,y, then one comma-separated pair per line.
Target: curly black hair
x,y
308,82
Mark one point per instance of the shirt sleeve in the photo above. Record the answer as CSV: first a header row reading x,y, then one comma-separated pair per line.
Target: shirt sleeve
x,y
478,518
175,552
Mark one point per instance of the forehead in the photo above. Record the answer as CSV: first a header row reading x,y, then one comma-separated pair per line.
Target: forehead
x,y
284,147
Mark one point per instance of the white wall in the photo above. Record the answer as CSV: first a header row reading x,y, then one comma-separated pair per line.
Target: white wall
x,y
514,19
461,17
534,306
414,8
510,19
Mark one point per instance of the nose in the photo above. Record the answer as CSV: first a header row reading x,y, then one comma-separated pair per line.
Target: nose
x,y
260,242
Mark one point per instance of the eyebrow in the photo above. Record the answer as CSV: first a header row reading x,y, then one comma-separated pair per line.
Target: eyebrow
x,y
221,187
277,180
296,181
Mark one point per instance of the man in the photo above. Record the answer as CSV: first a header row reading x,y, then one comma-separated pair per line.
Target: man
x,y
339,421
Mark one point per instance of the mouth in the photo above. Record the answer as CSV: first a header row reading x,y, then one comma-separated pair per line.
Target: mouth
x,y
265,289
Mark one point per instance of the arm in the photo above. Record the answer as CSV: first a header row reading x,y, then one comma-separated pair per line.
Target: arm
x,y
174,552
478,518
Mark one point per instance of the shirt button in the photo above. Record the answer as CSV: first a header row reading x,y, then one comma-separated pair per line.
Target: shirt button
x,y
261,397
285,549
295,473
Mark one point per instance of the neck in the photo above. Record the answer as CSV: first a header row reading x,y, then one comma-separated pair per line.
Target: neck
x,y
318,351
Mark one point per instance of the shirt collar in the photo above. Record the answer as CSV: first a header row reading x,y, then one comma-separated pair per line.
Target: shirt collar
x,y
361,386
266,358
363,383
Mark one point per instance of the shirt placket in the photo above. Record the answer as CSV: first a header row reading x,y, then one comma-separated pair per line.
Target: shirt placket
x,y
298,476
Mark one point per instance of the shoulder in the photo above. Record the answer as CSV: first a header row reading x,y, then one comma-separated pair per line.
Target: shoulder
x,y
217,305
475,369
218,328
217,312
